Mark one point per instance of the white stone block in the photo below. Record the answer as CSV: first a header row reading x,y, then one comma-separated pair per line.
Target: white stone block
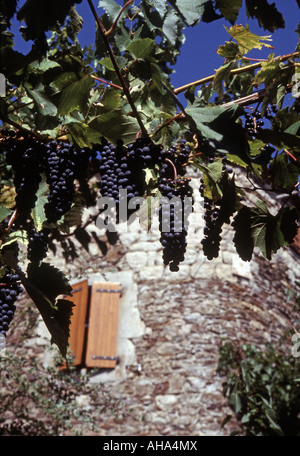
x,y
136,260
179,276
151,273
146,246
191,256
165,401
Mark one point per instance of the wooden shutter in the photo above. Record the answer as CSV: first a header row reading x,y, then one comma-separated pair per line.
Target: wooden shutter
x,y
78,320
103,325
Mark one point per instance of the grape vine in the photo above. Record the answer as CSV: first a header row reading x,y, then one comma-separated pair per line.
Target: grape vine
x,y
10,289
83,123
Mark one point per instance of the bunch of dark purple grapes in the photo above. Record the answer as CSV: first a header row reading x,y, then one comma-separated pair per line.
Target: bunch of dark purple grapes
x,y
215,215
122,170
175,206
9,292
176,203
254,123
143,153
23,156
119,180
213,228
271,111
178,154
62,163
37,244
59,160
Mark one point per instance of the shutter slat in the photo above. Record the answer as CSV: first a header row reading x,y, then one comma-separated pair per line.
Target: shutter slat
x,y
103,325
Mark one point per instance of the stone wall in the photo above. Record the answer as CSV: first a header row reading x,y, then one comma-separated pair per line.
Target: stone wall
x,y
172,323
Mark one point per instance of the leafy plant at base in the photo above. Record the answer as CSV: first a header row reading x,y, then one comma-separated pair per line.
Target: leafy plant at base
x,y
262,388
64,101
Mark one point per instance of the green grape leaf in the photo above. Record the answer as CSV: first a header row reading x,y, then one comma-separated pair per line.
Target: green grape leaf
x,y
212,175
214,171
275,86
122,39
107,63
288,224
43,104
76,95
31,13
2,272
280,139
285,172
170,27
157,80
268,71
110,100
50,280
242,238
257,227
294,129
229,50
284,119
45,65
45,284
267,15
115,125
160,6
219,126
246,39
112,8
81,134
72,218
4,212
142,48
7,196
38,212
228,202
14,236
63,80
222,74
230,10
255,147
191,10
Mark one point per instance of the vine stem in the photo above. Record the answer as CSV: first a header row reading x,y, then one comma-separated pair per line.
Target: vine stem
x,y
232,72
273,169
167,123
117,69
20,107
108,32
256,97
254,60
106,82
243,101
248,99
25,130
12,219
174,168
289,154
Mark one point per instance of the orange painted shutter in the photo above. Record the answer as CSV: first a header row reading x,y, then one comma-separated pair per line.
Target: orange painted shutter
x,y
78,320
103,325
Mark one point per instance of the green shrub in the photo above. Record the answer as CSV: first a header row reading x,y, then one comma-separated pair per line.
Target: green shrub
x,y
263,389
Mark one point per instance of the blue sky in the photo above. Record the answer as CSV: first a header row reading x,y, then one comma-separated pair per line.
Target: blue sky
x,y
198,56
